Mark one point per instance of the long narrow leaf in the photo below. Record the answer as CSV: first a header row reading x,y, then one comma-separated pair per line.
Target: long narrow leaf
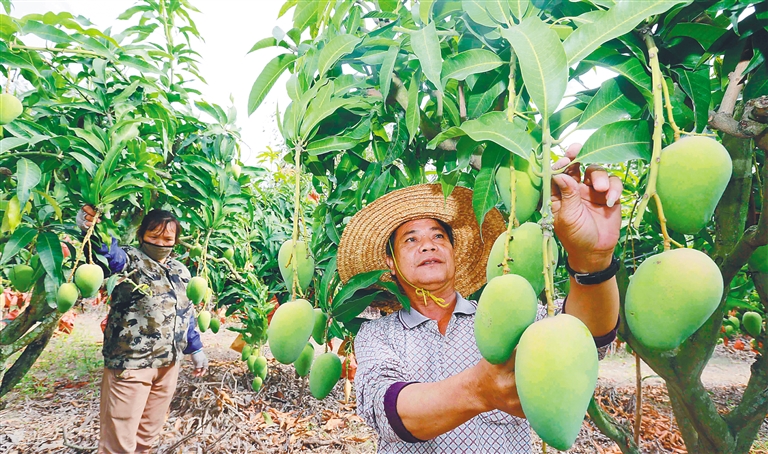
x,y
18,241
51,255
267,79
28,175
426,46
335,49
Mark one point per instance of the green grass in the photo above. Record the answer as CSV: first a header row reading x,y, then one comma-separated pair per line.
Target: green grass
x,y
72,358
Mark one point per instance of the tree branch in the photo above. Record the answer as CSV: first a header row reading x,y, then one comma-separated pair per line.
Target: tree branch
x,y
612,429
733,90
753,123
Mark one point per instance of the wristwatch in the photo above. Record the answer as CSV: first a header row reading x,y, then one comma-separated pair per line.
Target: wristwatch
x,y
596,277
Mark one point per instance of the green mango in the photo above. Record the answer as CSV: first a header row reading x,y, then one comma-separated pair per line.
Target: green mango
x,y
729,331
527,188
305,263
290,329
693,174
734,321
66,296
195,251
505,309
525,252
21,277
321,320
753,323
671,295
203,320
196,289
758,261
10,108
256,383
245,353
88,278
325,372
304,363
260,367
556,374
215,324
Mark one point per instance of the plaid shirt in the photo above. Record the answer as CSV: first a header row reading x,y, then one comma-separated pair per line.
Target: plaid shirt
x,y
408,347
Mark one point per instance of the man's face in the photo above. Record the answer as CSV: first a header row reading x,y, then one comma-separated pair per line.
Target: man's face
x,y
424,254
161,235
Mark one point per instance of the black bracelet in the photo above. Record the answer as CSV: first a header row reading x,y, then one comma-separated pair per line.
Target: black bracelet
x,y
596,277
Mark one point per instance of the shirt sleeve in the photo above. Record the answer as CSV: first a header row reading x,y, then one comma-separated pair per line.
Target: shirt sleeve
x,y
378,381
193,337
115,258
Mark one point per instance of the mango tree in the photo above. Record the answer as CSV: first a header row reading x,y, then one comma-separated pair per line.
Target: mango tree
x,y
388,94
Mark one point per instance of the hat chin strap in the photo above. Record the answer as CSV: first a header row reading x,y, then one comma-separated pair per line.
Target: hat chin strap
x,y
420,291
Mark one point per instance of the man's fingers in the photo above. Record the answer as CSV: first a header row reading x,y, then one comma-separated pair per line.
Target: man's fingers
x,y
560,163
567,186
614,191
572,151
597,177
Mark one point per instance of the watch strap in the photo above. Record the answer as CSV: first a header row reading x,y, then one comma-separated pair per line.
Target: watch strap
x,y
596,277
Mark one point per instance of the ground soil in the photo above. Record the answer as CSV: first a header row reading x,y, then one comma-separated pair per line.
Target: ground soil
x,y
219,413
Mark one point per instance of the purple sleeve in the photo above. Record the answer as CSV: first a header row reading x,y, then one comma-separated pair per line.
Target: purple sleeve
x,y
390,409
193,337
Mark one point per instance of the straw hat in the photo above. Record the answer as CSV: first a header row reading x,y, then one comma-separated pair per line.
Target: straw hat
x,y
363,243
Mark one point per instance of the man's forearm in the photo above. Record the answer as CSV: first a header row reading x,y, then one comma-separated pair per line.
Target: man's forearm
x,y
431,409
596,305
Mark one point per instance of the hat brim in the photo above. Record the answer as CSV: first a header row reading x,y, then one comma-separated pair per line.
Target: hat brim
x,y
363,243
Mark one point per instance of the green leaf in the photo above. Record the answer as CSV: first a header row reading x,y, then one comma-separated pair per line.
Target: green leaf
x,y
335,49
473,61
387,67
395,290
542,61
425,10
263,44
267,79
622,18
758,83
476,11
480,103
413,111
563,118
28,175
46,32
695,84
388,5
51,255
495,127
426,46
358,282
52,202
704,34
139,63
607,106
321,107
18,241
331,143
355,305
304,14
518,8
617,142
484,195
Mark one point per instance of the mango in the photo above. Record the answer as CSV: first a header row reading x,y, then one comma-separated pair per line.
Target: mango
x,y
671,295
693,174
195,251
324,374
305,262
321,320
525,252
758,261
215,324
505,309
10,108
290,329
556,373
752,322
245,353
196,288
256,383
236,169
260,367
229,254
88,278
527,189
729,331
203,320
66,296
304,363
21,277
734,321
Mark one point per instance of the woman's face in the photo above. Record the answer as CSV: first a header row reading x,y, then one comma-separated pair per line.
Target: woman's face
x,y
162,235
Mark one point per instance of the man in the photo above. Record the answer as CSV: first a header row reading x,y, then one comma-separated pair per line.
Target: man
x,y
421,381
150,326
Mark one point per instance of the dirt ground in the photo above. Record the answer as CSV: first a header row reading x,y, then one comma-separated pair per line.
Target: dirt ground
x,y
55,410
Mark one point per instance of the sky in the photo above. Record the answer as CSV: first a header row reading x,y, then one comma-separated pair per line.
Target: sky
x,y
230,28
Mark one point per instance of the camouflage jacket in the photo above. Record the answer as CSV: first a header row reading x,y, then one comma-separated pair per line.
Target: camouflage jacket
x,y
150,314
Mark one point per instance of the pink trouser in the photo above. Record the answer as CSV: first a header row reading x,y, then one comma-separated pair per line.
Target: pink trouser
x,y
134,403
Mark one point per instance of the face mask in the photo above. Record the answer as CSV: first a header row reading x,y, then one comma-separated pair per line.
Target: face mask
x,y
155,252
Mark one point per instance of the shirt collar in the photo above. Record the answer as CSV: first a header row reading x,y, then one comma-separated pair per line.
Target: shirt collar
x,y
412,319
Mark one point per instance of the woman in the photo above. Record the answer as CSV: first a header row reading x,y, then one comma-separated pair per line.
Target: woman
x,y
150,326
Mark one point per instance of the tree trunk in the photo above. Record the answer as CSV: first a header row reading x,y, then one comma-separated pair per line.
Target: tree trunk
x,y
27,359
